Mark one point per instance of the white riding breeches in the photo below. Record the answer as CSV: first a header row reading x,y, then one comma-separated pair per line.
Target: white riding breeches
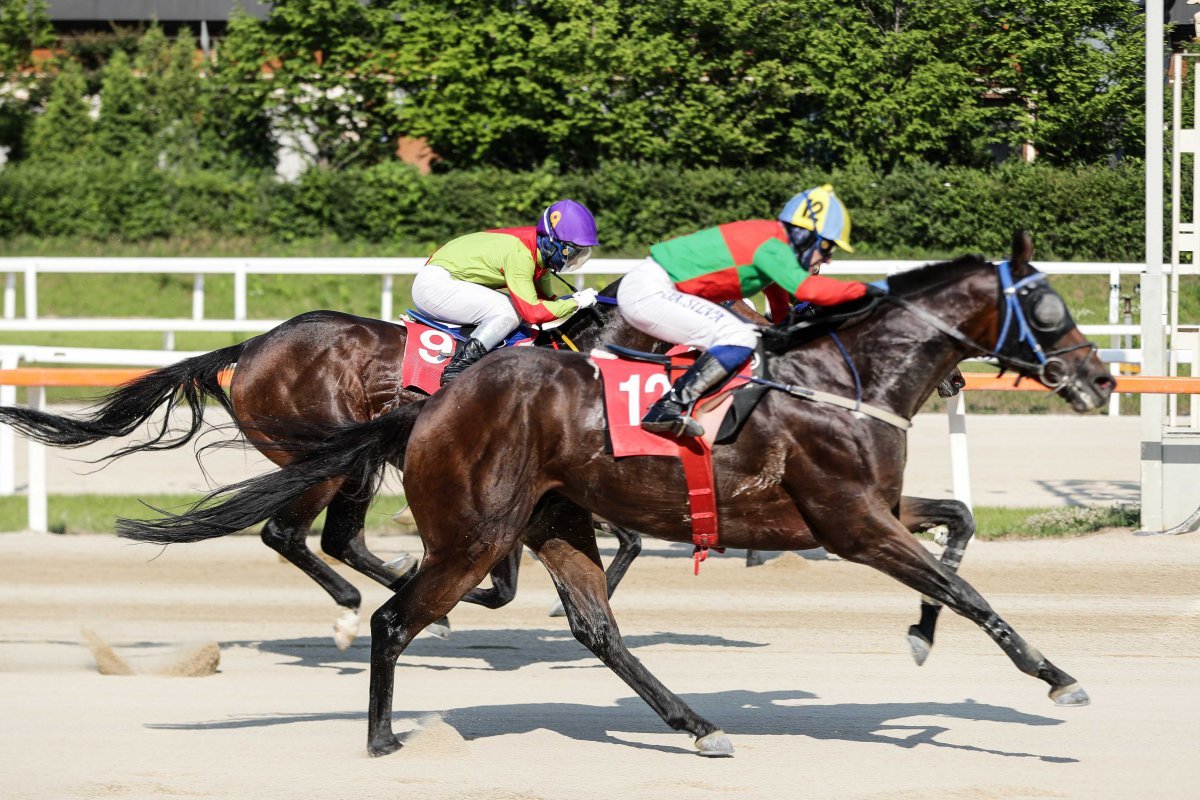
x,y
648,299
438,294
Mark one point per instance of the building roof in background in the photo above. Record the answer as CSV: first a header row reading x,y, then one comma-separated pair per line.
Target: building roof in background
x,y
146,10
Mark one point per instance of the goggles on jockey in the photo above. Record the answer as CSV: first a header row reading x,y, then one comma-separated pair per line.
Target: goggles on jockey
x,y
562,256
806,244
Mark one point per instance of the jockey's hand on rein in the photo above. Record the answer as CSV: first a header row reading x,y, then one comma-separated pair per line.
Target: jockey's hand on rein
x,y
586,298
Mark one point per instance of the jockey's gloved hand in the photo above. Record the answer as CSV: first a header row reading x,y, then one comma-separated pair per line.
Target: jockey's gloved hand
x,y
877,288
586,298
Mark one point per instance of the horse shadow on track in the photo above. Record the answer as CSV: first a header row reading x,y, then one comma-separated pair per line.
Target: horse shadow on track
x,y
774,713
502,650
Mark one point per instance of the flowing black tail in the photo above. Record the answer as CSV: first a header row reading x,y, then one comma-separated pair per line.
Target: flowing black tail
x,y
357,451
190,381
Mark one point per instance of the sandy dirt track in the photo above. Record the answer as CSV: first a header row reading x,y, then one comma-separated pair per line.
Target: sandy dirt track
x,y
802,661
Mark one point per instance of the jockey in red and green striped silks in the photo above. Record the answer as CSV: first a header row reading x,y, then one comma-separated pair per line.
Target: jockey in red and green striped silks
x,y
674,294
461,281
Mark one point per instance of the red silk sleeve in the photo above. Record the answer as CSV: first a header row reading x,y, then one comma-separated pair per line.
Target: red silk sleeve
x,y
822,291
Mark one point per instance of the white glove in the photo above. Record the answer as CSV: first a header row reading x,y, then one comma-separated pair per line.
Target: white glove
x,y
586,298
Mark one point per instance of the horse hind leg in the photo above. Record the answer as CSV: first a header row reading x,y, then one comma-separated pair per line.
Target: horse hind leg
x,y
920,514
344,538
442,580
286,533
629,547
565,543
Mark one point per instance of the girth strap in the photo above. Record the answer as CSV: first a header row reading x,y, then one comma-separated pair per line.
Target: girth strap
x,y
702,497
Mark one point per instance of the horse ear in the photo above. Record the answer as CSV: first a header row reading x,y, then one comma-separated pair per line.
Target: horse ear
x,y
1022,248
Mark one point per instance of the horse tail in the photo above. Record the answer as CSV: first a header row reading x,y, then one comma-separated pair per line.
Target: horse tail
x,y
357,452
189,381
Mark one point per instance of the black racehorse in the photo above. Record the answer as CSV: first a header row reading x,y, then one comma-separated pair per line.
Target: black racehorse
x,y
515,452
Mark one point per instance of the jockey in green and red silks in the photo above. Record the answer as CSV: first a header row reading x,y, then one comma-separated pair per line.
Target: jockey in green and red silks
x,y
460,282
674,294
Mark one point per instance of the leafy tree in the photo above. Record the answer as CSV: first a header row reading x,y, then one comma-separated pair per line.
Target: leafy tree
x,y
332,81
123,128
1073,70
24,26
235,126
65,126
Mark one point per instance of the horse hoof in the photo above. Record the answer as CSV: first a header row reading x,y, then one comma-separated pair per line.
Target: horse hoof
x,y
401,565
715,745
1070,695
558,610
345,629
440,629
383,747
919,647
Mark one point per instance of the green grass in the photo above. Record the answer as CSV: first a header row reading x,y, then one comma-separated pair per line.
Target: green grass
x,y
97,513
93,513
993,522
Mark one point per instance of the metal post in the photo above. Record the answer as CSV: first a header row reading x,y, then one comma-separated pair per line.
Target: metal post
x,y
1153,346
1114,300
39,517
960,468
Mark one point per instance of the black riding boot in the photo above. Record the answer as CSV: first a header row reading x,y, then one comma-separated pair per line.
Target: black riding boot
x,y
466,355
669,414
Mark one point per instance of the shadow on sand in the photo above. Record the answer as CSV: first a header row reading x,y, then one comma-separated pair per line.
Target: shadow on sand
x,y
780,713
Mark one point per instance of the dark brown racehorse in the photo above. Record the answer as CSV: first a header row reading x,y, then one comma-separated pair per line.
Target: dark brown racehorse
x,y
324,368
327,368
515,451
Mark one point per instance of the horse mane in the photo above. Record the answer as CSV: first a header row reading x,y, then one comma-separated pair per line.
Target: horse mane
x,y
914,280
826,320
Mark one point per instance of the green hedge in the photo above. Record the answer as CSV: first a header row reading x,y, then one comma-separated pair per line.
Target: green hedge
x,y
1082,213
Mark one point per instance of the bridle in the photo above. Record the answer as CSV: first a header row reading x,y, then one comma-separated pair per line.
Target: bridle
x,y
1034,317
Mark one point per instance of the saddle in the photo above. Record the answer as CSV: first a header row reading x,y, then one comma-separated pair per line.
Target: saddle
x,y
431,343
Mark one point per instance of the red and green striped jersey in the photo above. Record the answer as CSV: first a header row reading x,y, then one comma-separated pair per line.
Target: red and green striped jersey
x,y
506,258
739,259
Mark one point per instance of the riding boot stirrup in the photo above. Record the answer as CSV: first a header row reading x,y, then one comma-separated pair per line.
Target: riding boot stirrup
x,y
466,355
670,415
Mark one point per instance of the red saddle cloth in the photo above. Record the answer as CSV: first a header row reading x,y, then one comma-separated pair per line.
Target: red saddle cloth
x,y
630,388
426,352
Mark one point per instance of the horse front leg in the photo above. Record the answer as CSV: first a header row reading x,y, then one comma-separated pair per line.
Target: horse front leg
x,y
920,514
566,545
880,541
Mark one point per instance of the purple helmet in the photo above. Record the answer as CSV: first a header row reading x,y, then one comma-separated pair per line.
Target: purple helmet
x,y
568,221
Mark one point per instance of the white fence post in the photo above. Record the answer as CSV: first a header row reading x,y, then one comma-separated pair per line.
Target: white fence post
x,y
31,298
198,296
10,296
239,292
8,438
960,468
385,298
38,513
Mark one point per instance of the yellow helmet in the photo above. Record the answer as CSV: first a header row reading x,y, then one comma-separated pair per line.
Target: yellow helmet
x,y
820,211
